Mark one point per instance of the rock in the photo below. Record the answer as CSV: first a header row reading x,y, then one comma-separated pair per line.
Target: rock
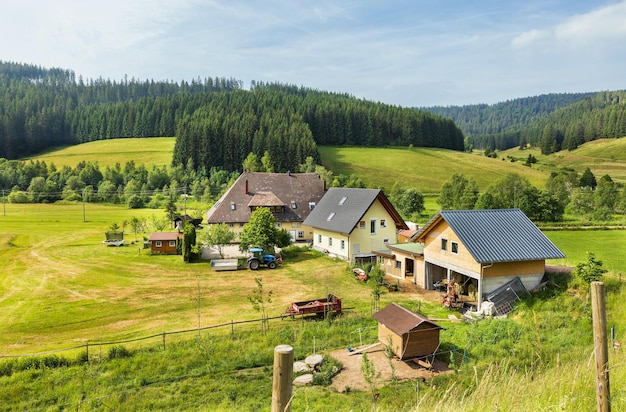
x,y
300,367
314,360
303,380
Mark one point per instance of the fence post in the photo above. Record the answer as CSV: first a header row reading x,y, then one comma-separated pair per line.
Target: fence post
x,y
232,330
87,350
598,313
163,340
282,379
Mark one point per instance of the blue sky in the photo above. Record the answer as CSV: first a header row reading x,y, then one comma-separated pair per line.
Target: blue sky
x,y
407,53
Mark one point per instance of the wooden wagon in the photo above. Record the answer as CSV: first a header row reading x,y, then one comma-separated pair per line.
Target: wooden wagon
x,y
319,307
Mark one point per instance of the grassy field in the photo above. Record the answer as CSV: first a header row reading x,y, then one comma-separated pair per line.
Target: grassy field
x,y
149,151
61,287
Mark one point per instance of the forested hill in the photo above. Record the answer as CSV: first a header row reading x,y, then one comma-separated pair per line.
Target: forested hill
x,y
552,122
502,122
216,122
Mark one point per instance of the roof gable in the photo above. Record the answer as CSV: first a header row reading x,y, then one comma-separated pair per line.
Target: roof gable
x,y
293,191
341,209
496,235
400,320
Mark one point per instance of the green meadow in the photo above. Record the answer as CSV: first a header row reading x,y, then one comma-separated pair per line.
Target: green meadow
x,y
60,288
149,151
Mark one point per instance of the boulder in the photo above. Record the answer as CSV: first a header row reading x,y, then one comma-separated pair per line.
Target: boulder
x,y
314,361
303,380
300,367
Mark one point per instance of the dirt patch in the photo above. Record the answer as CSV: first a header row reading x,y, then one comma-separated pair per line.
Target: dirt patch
x,y
351,377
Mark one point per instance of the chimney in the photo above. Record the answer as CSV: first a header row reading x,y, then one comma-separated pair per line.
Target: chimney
x,y
247,186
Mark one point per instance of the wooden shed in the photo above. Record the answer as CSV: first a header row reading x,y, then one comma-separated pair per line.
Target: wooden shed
x,y
412,335
165,243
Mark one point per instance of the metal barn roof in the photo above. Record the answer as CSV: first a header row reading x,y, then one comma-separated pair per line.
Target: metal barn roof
x,y
497,235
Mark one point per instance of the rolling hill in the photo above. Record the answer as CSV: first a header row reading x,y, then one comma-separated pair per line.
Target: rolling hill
x,y
425,169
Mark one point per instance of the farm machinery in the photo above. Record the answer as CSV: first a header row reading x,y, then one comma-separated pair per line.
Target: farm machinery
x,y
259,258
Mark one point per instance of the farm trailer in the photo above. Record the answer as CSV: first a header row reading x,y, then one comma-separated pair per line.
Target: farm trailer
x,y
319,307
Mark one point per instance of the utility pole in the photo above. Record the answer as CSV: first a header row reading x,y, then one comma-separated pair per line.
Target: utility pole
x,y
84,217
4,204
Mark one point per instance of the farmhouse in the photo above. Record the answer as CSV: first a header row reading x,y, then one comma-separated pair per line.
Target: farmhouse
x,y
350,223
410,334
482,250
164,243
289,196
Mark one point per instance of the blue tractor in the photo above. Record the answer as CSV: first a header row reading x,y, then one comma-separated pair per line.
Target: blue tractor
x,y
258,257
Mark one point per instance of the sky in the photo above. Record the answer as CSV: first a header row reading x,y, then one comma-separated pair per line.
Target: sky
x,y
410,53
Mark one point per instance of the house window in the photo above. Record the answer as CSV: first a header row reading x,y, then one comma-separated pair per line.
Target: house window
x,y
330,241
242,224
293,204
372,226
319,238
383,223
300,234
232,206
311,205
362,224
296,224
158,243
343,245
231,225
279,225
398,264
444,244
455,247
386,240
172,243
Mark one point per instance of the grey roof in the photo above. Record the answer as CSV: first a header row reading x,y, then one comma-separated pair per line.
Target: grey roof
x,y
292,191
401,320
497,235
341,209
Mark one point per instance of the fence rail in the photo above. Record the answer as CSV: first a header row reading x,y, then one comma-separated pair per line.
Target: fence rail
x,y
95,344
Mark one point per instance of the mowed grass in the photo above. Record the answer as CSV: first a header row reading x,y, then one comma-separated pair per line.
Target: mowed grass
x,y
425,169
60,286
148,151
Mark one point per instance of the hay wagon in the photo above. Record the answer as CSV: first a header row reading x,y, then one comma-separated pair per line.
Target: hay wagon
x,y
319,307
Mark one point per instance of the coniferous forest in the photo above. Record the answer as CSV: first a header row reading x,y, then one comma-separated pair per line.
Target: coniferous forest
x,y
552,122
216,123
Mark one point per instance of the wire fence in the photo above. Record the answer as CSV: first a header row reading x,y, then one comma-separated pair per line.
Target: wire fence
x,y
94,345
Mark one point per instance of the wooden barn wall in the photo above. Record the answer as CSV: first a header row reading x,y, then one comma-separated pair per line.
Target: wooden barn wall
x,y
411,345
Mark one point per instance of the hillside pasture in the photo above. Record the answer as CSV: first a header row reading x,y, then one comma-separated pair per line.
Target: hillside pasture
x,y
149,151
426,169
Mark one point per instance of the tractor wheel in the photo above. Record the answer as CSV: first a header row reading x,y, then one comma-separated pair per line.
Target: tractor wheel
x,y
253,264
271,265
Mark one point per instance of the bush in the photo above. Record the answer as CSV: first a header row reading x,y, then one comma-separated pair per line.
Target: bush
x,y
118,352
135,202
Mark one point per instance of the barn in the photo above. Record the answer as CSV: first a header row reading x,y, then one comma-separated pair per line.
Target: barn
x,y
412,335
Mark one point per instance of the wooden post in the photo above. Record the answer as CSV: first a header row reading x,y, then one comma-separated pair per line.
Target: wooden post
x,y
283,376
600,346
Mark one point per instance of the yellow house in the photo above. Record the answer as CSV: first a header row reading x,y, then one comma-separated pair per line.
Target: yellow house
x,y
351,223
289,196
482,250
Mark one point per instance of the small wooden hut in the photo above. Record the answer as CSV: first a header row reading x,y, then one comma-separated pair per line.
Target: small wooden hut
x,y
411,334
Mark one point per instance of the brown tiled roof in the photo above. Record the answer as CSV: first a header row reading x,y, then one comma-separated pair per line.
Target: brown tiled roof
x,y
164,236
294,191
266,199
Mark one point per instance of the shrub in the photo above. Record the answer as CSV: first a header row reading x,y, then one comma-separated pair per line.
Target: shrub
x,y
118,352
